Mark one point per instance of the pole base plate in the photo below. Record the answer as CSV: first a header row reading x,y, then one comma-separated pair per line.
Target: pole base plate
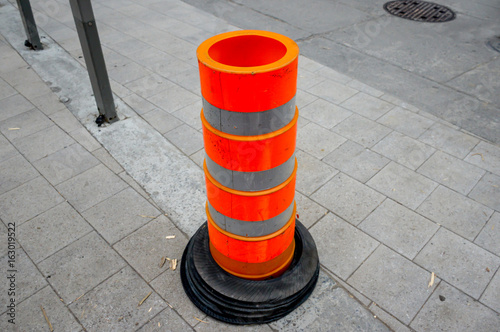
x,y
234,300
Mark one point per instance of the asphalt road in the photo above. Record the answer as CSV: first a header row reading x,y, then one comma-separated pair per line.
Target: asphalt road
x,y
447,69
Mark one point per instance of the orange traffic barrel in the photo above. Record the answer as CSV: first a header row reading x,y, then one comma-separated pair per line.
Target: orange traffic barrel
x,y
252,238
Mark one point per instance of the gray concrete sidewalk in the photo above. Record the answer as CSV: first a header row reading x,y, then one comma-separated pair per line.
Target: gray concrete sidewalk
x,y
390,193
447,69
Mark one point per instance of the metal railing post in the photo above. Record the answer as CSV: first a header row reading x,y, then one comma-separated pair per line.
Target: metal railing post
x,y
33,40
94,58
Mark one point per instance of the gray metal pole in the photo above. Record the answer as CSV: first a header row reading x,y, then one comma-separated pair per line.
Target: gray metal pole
x,y
33,40
92,53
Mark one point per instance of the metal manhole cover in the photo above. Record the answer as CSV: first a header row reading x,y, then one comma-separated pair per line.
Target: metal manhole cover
x,y
421,11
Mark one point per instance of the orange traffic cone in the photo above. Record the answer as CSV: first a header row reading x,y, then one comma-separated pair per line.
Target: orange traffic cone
x,y
252,262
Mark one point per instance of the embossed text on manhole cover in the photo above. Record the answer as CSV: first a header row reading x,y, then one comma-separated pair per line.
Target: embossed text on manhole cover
x,y
421,11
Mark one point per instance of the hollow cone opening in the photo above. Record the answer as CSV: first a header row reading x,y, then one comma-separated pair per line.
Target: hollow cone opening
x,y
247,51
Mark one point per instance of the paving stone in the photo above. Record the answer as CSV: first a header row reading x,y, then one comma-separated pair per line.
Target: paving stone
x,y
190,115
120,90
458,262
124,44
324,113
14,105
128,72
169,286
333,75
329,308
180,49
83,137
91,187
451,172
210,324
65,120
7,150
166,321
12,62
149,56
311,173
399,228
332,91
144,248
307,79
388,319
402,185
71,45
367,106
132,183
348,198
488,238
186,139
33,89
29,316
448,309
352,292
455,212
317,140
81,266
198,157
487,191
149,85
48,103
175,68
487,156
404,150
406,122
162,120
308,64
303,98
138,104
361,130
113,305
51,231
62,32
15,172
120,215
301,122
43,143
28,200
307,210
491,296
6,90
449,140
355,84
107,160
65,163
342,247
173,99
189,79
21,76
405,281
428,115
28,123
28,278
356,161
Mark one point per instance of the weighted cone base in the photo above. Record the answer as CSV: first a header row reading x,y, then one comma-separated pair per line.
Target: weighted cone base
x,y
241,301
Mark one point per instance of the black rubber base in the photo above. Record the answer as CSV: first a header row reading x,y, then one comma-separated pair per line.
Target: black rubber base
x,y
240,301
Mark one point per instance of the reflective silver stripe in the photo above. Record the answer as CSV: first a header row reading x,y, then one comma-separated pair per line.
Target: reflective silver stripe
x,y
251,181
249,123
251,228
